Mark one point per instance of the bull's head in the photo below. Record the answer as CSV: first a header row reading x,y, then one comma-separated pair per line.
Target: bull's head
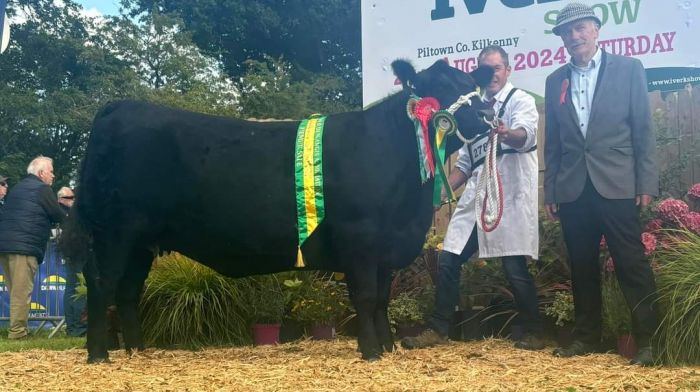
x,y
447,85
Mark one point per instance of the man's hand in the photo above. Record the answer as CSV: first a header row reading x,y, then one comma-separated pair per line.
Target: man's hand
x,y
501,130
643,200
552,211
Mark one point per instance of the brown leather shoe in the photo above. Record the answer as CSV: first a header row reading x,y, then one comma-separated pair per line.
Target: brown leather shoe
x,y
529,342
577,347
427,338
644,357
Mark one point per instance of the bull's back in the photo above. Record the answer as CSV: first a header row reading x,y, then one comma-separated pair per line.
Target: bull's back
x,y
209,186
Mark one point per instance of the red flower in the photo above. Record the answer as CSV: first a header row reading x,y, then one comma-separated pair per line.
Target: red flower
x,y
691,221
694,191
649,241
671,210
564,89
654,225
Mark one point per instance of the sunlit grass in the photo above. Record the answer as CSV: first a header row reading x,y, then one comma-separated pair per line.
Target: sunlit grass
x,y
678,283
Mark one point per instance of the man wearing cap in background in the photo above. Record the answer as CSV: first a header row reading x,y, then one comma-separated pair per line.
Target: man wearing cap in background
x,y
73,308
600,158
3,189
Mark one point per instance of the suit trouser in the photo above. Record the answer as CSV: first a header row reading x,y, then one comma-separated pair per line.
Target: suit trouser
x,y
447,290
583,223
19,278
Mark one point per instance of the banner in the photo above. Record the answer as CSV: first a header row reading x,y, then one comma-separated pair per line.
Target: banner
x,y
662,34
49,286
4,27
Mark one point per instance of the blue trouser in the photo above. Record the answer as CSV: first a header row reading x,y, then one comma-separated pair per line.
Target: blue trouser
x,y
447,290
73,308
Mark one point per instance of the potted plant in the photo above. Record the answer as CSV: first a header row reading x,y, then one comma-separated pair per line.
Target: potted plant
x,y
406,314
267,301
319,302
562,311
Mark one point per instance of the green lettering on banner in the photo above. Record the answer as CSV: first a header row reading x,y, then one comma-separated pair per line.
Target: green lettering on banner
x,y
620,11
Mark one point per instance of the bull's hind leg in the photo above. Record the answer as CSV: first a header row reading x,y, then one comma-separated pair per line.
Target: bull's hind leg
x,y
128,296
97,314
381,318
362,283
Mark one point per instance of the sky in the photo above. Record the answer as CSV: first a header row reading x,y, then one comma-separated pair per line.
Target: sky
x,y
97,7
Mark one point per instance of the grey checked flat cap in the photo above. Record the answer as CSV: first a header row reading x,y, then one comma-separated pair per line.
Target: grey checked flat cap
x,y
573,12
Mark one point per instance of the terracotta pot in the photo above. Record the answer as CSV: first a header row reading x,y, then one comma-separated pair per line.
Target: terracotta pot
x,y
266,334
626,346
323,332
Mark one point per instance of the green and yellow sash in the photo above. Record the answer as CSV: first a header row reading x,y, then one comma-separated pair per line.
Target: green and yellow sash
x,y
308,173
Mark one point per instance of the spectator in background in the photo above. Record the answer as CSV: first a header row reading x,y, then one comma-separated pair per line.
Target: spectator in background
x,y
3,189
72,308
25,225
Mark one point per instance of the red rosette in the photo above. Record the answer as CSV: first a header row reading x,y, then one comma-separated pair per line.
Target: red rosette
x,y
424,111
564,90
425,108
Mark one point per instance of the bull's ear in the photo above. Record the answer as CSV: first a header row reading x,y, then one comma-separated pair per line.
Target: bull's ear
x,y
482,75
404,71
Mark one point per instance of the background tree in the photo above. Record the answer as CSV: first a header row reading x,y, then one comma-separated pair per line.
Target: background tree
x,y
313,36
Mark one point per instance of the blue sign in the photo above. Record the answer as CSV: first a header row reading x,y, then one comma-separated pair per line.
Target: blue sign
x,y
49,286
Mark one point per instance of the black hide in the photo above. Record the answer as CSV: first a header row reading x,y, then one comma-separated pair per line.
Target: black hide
x,y
221,191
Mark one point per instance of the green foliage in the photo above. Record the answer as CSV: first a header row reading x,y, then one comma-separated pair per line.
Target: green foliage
x,y
678,283
39,340
617,319
268,90
406,309
562,308
318,299
185,303
266,299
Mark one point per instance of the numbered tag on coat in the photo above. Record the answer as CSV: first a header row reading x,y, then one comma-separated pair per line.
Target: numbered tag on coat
x,y
477,149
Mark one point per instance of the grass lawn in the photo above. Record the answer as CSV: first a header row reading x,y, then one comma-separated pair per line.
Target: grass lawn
x,y
39,340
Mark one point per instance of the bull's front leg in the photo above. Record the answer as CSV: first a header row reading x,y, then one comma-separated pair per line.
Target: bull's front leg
x,y
362,284
381,317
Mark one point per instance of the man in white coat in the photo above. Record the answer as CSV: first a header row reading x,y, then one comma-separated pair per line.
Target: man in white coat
x,y
516,236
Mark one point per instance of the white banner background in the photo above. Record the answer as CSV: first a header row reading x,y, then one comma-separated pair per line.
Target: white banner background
x,y
661,33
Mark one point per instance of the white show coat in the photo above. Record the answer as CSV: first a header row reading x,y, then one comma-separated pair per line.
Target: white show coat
x,y
517,233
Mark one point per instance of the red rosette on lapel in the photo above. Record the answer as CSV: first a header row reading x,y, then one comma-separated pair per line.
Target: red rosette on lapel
x,y
564,89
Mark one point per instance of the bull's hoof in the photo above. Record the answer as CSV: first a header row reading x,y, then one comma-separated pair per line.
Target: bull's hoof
x,y
97,360
389,348
372,358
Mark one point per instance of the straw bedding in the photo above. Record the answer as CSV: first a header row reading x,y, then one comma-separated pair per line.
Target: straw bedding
x,y
490,365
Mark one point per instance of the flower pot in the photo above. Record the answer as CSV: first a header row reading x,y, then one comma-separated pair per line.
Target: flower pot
x,y
323,332
266,334
626,346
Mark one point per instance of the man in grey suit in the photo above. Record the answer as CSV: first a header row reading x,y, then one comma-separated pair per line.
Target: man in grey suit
x,y
600,168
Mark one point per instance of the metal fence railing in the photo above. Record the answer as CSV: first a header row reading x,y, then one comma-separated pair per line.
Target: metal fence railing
x,y
46,308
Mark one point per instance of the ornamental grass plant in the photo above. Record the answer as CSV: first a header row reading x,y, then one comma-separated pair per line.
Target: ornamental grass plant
x,y
188,304
678,284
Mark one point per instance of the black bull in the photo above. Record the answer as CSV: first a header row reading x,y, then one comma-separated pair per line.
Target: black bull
x,y
221,191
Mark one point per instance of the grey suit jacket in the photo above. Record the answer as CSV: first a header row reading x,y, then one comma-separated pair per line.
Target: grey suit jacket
x,y
619,151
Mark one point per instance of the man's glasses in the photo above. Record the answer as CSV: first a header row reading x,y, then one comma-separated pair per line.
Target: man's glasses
x,y
68,197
